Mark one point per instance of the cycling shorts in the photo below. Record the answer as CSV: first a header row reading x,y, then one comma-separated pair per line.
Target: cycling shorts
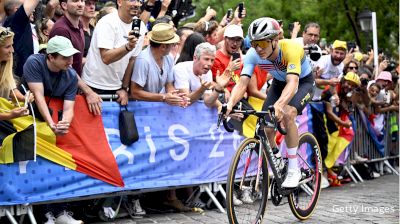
x,y
303,95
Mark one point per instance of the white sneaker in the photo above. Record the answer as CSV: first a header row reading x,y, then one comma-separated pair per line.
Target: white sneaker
x,y
66,218
376,175
50,218
324,182
246,195
292,178
236,201
137,209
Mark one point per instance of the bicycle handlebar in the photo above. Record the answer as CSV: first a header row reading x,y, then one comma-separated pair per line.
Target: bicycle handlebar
x,y
270,112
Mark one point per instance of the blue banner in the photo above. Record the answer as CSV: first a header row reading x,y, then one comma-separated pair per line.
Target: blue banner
x,y
177,147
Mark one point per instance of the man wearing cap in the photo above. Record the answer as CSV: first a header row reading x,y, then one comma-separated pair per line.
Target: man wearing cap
x,y
152,76
225,63
329,68
51,75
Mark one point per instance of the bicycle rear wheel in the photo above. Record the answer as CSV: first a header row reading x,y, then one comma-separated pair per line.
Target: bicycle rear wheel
x,y
304,198
244,203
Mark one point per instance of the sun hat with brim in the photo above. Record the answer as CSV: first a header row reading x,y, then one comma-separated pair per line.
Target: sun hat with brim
x,y
61,45
384,75
353,77
163,33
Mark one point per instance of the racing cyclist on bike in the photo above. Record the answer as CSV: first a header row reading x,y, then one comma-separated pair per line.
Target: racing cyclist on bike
x,y
291,89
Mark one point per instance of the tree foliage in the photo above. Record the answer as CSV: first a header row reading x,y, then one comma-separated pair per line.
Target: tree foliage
x,y
334,17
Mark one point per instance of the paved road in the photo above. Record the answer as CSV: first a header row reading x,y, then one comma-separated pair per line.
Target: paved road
x,y
374,201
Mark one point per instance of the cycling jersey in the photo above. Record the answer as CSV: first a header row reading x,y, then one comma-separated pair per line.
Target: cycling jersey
x,y
291,59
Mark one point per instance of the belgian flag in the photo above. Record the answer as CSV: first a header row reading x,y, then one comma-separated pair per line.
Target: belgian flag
x,y
84,148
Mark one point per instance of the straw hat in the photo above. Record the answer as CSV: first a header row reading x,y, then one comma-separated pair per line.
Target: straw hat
x,y
163,33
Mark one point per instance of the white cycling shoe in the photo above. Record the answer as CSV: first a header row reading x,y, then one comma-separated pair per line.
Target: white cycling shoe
x,y
292,179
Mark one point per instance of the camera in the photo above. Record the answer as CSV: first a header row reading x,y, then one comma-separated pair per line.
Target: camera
x,y
313,52
136,27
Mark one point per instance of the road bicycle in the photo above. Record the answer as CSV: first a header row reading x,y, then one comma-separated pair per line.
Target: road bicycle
x,y
248,179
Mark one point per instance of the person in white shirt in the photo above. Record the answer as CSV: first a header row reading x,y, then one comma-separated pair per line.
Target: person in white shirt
x,y
195,78
112,48
329,68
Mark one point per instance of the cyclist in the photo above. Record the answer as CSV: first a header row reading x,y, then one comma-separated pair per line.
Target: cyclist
x,y
291,89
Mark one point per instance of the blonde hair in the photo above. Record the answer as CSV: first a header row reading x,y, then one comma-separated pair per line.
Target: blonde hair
x,y
7,81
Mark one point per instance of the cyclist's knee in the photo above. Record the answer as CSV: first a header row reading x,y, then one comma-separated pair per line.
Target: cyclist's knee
x,y
290,113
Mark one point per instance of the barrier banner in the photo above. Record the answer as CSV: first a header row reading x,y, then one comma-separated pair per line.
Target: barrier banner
x,y
177,147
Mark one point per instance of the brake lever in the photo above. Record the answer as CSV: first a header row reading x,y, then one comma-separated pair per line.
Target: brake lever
x,y
221,115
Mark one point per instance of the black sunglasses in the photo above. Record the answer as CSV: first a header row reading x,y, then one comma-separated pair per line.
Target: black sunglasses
x,y
5,32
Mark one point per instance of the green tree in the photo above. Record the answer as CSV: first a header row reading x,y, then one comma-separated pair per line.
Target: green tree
x,y
338,19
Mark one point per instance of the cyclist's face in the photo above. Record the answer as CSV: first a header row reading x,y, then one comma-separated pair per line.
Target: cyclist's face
x,y
263,47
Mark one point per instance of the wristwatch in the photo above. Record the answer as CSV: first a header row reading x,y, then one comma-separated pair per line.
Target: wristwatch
x,y
125,88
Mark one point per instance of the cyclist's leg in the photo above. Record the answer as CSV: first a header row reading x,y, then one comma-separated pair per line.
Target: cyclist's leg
x,y
273,95
295,107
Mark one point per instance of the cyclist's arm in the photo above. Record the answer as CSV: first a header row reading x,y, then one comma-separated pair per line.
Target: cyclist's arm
x,y
292,84
239,90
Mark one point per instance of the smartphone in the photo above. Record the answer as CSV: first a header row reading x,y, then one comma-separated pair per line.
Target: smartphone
x,y
229,14
235,56
27,99
136,26
240,9
60,115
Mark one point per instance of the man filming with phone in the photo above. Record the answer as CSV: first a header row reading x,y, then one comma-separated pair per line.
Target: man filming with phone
x,y
112,51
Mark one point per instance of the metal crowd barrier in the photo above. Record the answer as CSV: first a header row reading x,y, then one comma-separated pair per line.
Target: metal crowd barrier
x,y
364,146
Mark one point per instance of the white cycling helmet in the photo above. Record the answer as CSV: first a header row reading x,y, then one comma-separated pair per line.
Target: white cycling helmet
x,y
264,28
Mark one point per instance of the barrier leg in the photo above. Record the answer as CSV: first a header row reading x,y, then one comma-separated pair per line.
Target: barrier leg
x,y
350,174
10,217
213,198
390,167
356,173
381,168
222,190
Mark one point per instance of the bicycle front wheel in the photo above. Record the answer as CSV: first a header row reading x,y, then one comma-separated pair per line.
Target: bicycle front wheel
x,y
245,201
304,198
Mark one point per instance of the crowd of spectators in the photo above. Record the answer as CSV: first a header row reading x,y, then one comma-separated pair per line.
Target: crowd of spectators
x,y
94,53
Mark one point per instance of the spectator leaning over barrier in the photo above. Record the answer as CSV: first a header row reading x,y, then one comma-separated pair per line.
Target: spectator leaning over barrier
x,y
328,70
112,51
7,82
195,78
51,75
20,21
152,74
70,26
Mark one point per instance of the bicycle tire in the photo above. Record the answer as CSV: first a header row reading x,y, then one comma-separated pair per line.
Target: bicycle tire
x,y
314,186
247,212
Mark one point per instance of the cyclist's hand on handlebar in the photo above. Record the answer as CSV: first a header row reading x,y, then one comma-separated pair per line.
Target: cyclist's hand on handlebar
x,y
278,112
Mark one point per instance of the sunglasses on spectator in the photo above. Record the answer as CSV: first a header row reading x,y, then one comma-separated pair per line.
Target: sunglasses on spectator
x,y
134,1
261,43
5,32
353,68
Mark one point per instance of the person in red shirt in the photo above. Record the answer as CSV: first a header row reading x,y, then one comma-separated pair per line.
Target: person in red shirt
x,y
225,63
